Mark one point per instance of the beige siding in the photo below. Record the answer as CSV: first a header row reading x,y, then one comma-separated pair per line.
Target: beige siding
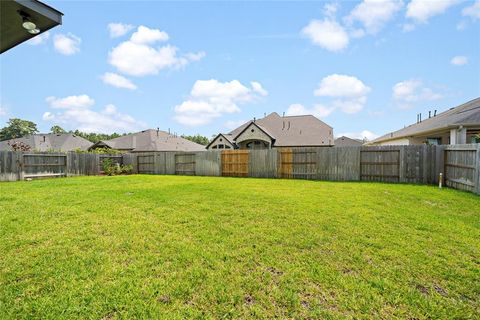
x,y
253,133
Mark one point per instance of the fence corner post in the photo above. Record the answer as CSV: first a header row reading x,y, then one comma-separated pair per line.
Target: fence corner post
x,y
477,170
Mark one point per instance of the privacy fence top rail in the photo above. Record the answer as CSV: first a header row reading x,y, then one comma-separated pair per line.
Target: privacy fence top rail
x,y
459,165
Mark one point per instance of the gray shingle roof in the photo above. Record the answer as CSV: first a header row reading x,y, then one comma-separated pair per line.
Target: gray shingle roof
x,y
152,140
49,142
347,142
467,114
291,131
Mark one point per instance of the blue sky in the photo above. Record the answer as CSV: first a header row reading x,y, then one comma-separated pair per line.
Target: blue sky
x,y
365,68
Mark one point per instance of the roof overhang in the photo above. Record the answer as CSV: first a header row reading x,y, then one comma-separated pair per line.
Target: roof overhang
x,y
11,31
424,133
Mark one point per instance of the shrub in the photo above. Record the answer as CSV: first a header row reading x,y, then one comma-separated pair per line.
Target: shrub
x,y
111,168
126,168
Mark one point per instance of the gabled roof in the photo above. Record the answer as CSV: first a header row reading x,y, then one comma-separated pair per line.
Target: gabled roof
x,y
305,130
344,141
250,123
226,136
50,141
152,140
467,114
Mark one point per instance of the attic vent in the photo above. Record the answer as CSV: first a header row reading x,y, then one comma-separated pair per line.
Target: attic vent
x,y
253,130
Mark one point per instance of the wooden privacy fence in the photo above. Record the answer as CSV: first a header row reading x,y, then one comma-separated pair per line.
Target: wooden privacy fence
x,y
461,167
459,164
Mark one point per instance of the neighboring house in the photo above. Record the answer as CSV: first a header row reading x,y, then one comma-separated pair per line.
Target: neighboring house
x,y
275,131
21,20
148,141
347,142
47,142
455,126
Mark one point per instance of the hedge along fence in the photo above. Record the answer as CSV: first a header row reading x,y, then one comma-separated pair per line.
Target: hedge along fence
x,y
459,164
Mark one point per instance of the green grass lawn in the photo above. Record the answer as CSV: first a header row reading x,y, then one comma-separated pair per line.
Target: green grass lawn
x,y
195,247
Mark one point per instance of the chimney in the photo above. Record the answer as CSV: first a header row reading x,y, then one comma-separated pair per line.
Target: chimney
x,y
254,119
435,113
420,114
429,114
264,114
283,114
158,129
168,130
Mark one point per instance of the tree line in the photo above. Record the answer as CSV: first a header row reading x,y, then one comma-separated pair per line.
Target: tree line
x,y
17,128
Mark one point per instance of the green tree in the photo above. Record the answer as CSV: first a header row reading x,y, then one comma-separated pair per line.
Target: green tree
x,y
57,129
197,139
17,128
95,137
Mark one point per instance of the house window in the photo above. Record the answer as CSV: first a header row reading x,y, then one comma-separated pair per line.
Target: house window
x,y
434,141
214,147
476,139
227,147
221,146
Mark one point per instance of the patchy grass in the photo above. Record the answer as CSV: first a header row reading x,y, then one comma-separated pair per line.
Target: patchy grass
x,y
194,247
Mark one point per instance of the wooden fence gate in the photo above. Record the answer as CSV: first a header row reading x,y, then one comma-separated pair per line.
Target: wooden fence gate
x,y
185,164
235,163
461,168
146,163
297,164
44,165
380,165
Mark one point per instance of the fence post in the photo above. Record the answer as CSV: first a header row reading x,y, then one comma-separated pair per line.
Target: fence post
x,y
21,166
477,169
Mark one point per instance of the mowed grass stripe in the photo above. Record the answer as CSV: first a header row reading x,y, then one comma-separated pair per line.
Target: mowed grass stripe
x,y
204,247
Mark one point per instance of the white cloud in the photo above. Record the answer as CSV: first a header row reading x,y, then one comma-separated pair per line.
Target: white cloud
x,y
349,93
138,57
374,14
67,44
118,81
421,10
195,56
327,34
409,92
76,112
472,11
338,85
330,9
210,99
80,101
40,39
257,87
145,35
119,29
317,110
459,60
365,134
